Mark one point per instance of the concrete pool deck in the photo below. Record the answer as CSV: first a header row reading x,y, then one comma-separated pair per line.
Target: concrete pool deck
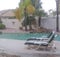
x,y
17,47
13,31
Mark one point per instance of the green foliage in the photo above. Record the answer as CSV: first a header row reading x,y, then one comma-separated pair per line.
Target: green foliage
x,y
30,20
18,14
52,12
30,7
41,13
26,3
2,26
38,4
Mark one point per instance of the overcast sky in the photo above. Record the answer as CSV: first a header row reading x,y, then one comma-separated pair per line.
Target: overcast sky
x,y
48,4
8,4
12,4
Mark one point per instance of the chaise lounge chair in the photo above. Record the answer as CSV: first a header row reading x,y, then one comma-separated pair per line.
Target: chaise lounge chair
x,y
46,44
33,39
39,42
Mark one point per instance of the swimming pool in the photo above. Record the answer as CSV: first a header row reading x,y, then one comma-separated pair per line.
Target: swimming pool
x,y
24,36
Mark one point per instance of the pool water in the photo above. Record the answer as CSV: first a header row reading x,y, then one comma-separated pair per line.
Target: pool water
x,y
24,36
57,38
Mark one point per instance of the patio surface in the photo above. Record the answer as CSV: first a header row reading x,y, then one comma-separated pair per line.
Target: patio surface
x,y
10,30
17,47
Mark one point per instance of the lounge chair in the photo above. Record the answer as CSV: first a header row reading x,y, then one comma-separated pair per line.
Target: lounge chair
x,y
39,43
34,38
46,44
31,41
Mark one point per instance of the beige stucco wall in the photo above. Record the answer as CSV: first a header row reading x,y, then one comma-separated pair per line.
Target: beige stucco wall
x,y
11,23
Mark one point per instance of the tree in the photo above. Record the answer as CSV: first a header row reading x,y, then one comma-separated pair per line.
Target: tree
x,y
42,13
30,9
27,9
18,13
53,12
27,6
38,10
37,3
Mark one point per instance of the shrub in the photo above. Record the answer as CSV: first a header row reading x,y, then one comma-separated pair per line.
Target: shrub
x,y
2,26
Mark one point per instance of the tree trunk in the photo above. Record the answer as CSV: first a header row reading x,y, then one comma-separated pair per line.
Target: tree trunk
x,y
57,20
30,21
25,13
39,21
30,27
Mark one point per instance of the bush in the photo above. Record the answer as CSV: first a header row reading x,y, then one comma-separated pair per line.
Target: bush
x,y
2,26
